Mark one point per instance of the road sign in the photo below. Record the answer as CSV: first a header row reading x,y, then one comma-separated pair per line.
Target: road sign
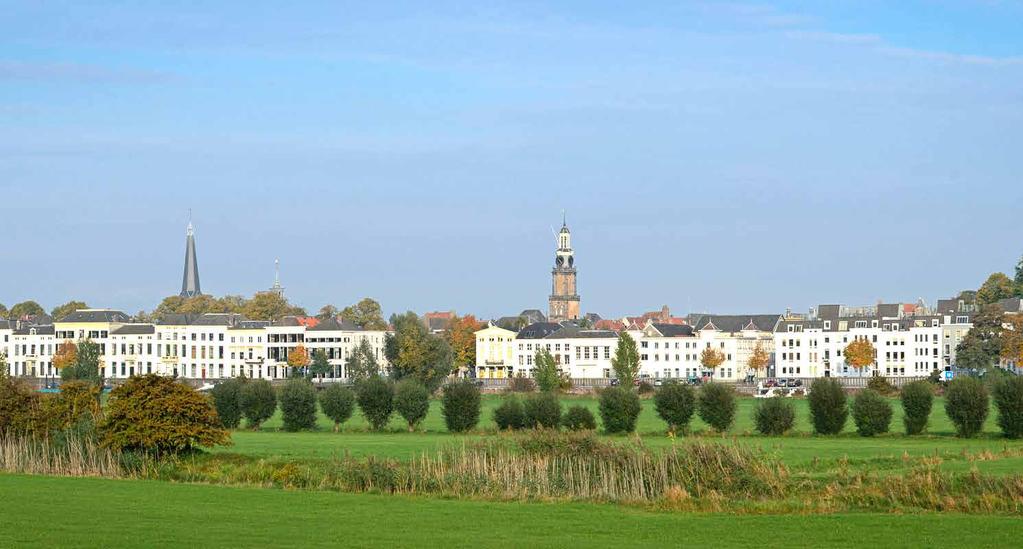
x,y
948,376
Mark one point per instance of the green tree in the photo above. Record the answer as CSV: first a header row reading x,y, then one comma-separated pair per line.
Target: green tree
x,y
85,366
997,286
675,404
298,405
376,400
1019,278
414,352
270,306
362,363
26,308
226,399
4,313
411,401
460,406
258,401
365,314
337,403
327,312
626,359
321,366
967,405
170,305
982,345
61,311
545,371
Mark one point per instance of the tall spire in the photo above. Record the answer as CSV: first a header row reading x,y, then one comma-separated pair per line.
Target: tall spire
x,y
190,279
277,288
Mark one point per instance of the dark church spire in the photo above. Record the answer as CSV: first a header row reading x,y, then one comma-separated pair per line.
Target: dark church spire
x,y
190,280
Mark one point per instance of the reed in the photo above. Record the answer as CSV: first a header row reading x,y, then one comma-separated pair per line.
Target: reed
x,y
72,456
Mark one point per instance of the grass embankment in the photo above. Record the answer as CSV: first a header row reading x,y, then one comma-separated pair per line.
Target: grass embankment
x,y
56,512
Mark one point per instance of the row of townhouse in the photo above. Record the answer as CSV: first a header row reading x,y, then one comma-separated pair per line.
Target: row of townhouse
x,y
908,341
666,351
207,346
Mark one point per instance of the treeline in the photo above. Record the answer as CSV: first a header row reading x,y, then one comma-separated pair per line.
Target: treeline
x,y
995,335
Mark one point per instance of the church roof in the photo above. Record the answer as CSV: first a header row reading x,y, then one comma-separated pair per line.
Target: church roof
x,y
190,278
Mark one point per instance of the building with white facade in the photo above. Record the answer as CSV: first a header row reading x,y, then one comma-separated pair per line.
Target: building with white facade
x,y
201,347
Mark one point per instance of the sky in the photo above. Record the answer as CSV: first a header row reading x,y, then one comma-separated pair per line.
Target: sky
x,y
723,157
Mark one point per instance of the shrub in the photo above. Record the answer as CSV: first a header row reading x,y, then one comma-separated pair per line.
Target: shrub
x,y
460,406
20,407
258,402
579,418
156,415
412,401
881,385
645,388
337,403
1009,400
619,409
675,404
966,403
774,416
521,384
227,401
543,410
77,402
828,410
376,400
716,405
510,414
871,413
917,399
298,405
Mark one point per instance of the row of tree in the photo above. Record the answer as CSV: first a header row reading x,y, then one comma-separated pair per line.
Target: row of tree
x,y
995,335
31,309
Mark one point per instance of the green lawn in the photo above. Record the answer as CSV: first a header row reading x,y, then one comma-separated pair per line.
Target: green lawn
x,y
798,449
61,512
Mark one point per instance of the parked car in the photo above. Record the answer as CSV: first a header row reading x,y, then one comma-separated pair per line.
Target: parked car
x,y
658,382
771,383
795,383
614,382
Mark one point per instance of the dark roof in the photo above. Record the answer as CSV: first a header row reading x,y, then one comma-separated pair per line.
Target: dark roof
x,y
572,331
736,323
250,325
538,330
134,329
673,330
96,315
5,324
45,329
534,315
1011,305
333,325
509,322
207,319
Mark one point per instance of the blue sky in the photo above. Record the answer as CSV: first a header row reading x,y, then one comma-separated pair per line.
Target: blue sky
x,y
711,156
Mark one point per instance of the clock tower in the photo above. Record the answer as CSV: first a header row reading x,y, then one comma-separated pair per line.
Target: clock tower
x,y
564,301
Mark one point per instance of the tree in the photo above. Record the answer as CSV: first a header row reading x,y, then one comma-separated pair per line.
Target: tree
x,y
626,359
159,416
917,398
828,409
619,409
26,308
337,403
461,337
362,363
414,352
298,405
170,305
997,286
376,400
201,304
1012,339
967,405
321,366
298,359
859,354
4,313
1019,278
327,312
270,306
86,364
871,413
258,401
716,405
675,404
460,406
61,311
1008,395
758,360
545,371
411,401
227,401
983,343
711,358
365,314
67,355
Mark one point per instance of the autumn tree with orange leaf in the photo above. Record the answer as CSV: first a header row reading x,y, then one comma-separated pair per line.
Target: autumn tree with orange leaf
x,y
859,354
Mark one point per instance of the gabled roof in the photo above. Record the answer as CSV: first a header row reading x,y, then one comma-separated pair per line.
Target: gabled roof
x,y
207,319
96,315
569,331
735,323
44,329
538,330
671,330
5,324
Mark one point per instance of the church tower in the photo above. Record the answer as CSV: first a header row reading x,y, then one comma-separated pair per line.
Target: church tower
x,y
564,301
190,279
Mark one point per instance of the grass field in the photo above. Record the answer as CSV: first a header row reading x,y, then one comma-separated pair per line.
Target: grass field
x,y
62,512
798,449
